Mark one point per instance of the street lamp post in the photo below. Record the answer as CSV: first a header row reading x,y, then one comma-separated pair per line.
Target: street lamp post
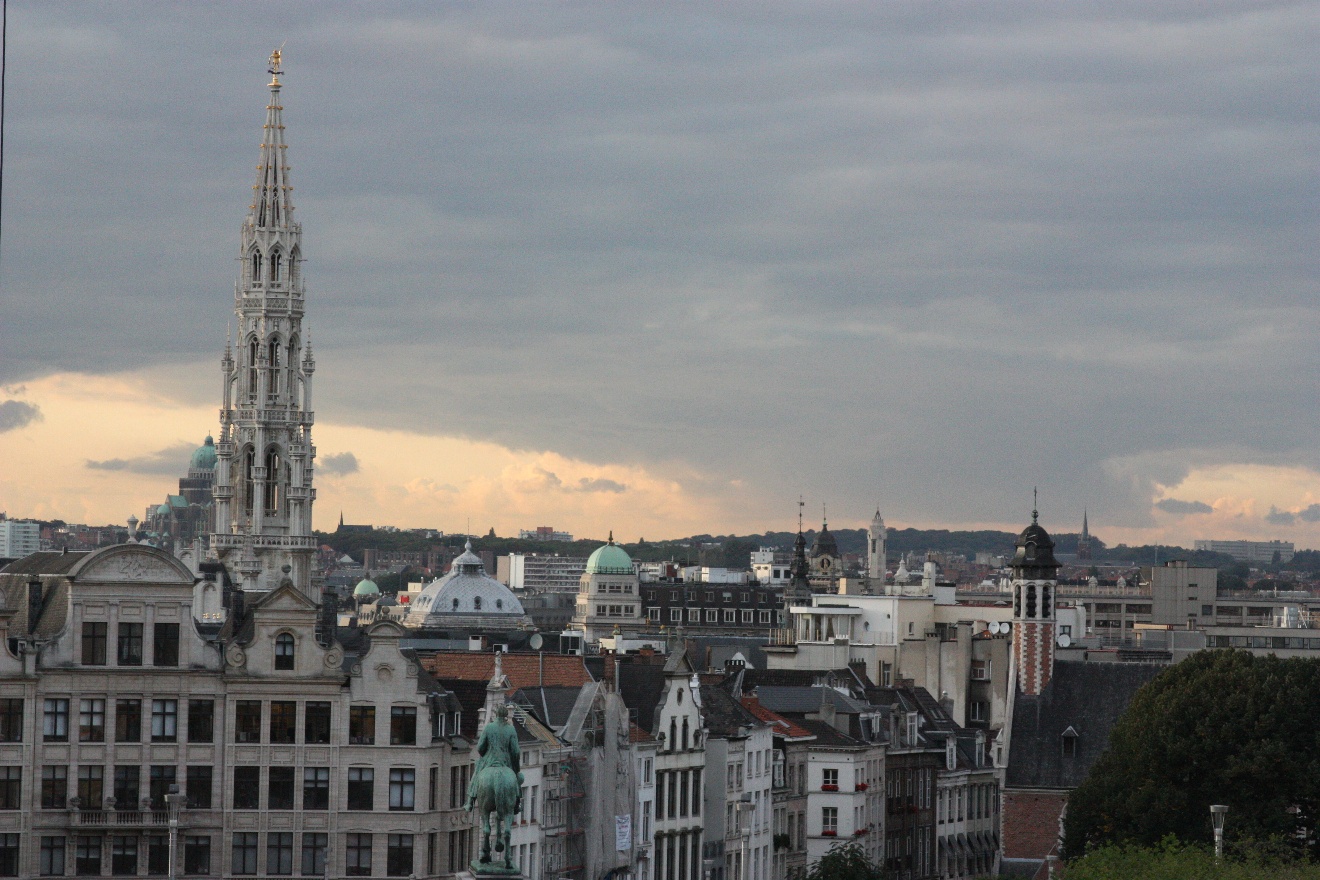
x,y
1217,814
173,803
745,817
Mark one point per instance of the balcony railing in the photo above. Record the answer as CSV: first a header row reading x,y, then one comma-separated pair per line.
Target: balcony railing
x,y
120,819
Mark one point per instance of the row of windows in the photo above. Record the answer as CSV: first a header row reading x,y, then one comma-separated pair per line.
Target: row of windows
x,y
94,723
712,615
124,786
129,644
974,801
361,788
678,793
744,598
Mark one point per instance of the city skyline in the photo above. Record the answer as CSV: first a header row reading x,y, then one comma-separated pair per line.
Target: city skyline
x,y
617,269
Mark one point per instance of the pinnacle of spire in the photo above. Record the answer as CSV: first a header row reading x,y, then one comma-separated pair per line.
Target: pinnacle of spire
x,y
272,206
611,536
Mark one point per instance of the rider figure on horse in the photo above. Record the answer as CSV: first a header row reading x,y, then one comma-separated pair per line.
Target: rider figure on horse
x,y
496,787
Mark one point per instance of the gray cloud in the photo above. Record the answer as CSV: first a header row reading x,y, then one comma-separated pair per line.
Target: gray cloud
x,y
600,484
171,461
1183,508
15,414
836,243
1278,517
1309,514
341,463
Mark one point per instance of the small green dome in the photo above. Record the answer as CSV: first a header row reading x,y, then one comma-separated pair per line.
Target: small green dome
x,y
163,510
204,458
610,559
366,587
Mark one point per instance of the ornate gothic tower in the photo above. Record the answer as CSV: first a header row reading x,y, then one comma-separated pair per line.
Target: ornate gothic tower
x,y
263,482
875,557
1035,578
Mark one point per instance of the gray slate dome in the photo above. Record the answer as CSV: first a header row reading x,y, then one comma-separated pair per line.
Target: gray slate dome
x,y
466,596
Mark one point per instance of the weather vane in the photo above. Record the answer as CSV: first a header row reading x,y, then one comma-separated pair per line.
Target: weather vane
x,y
276,70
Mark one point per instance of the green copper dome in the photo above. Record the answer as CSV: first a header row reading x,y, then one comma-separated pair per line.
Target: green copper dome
x,y
204,458
366,587
163,510
610,559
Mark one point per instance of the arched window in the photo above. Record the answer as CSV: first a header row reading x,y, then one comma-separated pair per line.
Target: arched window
x,y
275,267
455,604
256,267
499,604
294,257
272,499
247,481
273,352
284,651
476,604
252,367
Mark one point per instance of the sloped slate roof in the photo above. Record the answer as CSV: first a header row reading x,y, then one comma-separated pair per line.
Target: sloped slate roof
x,y
801,700
641,686
778,723
722,714
1090,698
552,705
46,562
827,735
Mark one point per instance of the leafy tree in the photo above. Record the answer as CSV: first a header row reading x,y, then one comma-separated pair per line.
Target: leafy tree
x,y
1171,860
1222,727
847,861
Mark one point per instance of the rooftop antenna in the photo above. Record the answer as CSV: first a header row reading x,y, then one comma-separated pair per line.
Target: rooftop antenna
x,y
801,504
1034,513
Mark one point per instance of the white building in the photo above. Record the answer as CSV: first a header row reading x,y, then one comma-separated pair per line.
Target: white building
x,y
608,595
739,776
537,571
19,538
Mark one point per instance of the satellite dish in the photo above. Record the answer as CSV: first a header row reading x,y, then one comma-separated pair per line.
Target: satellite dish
x,y
536,641
1005,628
1064,640
994,627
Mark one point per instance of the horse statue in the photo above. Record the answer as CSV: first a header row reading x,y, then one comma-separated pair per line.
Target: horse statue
x,y
496,787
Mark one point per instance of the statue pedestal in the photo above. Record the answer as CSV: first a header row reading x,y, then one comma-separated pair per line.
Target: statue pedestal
x,y
489,873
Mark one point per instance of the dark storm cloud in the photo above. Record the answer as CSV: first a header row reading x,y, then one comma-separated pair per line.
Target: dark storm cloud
x,y
1183,508
882,251
15,414
342,464
1278,517
171,461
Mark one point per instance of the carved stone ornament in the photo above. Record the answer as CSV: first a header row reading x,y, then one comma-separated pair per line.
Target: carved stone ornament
x,y
235,656
334,657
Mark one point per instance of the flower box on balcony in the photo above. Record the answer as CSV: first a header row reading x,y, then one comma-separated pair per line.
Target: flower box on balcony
x,y
862,786
859,832
829,788
829,834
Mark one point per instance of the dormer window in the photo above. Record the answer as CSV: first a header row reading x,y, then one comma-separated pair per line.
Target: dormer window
x,y
1068,740
476,604
284,651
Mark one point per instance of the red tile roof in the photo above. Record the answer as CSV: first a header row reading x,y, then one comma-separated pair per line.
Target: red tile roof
x,y
781,725
522,670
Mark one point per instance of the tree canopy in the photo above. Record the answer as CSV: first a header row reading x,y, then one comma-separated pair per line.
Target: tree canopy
x,y
1173,861
1222,727
847,861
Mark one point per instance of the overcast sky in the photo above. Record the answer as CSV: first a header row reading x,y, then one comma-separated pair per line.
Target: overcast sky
x,y
662,268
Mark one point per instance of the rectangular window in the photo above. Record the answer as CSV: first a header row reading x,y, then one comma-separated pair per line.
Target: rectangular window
x,y
433,778
399,855
247,721
87,859
199,786
403,784
653,615
403,726
158,855
746,616
712,615
127,788
981,670
91,720
694,615
244,859
11,788
316,788
829,820
675,615
361,725
128,721
11,719
54,787
91,786
165,644
765,616
279,852
130,644
9,855
52,857
201,724
729,615
980,711
94,636
357,855
361,788
163,777
55,720
279,795
314,847
830,776
316,723
124,855
164,721
283,721
247,788
197,854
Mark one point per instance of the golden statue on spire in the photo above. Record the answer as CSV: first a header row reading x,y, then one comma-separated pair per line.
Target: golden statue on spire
x,y
275,68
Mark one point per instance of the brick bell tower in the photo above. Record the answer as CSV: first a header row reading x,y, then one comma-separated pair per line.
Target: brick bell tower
x,y
1035,580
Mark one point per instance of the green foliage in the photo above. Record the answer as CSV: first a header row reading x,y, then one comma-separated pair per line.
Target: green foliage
x,y
846,861
1222,727
1170,860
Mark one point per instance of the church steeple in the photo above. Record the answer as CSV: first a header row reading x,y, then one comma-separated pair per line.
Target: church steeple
x,y
263,486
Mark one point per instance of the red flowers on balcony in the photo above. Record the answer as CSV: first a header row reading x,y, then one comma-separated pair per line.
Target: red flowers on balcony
x,y
829,832
828,787
862,786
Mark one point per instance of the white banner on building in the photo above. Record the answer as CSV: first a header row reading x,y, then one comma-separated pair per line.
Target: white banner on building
x,y
623,833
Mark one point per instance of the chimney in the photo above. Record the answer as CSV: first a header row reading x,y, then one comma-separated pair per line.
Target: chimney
x,y
36,599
